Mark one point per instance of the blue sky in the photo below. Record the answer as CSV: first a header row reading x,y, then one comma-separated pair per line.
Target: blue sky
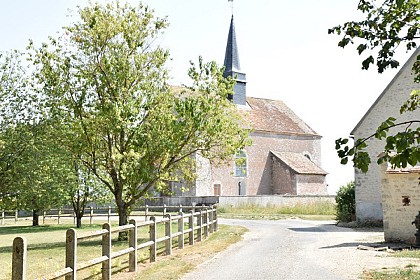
x,y
283,45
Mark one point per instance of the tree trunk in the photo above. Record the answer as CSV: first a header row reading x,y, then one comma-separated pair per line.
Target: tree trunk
x,y
122,220
35,218
79,220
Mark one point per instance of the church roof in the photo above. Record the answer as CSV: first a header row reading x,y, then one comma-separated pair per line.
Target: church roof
x,y
274,116
299,163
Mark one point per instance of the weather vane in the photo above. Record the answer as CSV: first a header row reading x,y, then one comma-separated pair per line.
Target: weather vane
x,y
231,5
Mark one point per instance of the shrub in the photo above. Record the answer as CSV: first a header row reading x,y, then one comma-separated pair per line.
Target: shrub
x,y
346,203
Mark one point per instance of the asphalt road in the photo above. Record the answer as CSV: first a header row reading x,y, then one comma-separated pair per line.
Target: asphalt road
x,y
293,249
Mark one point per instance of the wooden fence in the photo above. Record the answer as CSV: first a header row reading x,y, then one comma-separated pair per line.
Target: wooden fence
x,y
200,224
8,214
98,213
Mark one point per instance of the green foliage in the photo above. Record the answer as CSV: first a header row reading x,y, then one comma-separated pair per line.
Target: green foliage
x,y
104,85
388,24
346,204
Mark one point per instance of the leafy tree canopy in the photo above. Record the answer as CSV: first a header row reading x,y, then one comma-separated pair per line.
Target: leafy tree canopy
x,y
388,25
104,86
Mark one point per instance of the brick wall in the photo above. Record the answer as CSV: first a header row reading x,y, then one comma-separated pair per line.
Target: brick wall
x,y
258,180
308,184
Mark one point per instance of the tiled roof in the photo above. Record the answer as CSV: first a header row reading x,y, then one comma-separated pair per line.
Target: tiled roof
x,y
299,163
274,116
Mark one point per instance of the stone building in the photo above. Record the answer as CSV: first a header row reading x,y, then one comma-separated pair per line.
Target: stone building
x,y
284,158
388,104
401,202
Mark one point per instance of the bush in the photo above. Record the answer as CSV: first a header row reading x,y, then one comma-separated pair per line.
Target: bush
x,y
346,203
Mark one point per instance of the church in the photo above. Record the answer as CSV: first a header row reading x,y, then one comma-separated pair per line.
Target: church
x,y
285,155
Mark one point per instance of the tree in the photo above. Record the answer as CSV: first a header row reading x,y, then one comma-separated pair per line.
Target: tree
x,y
35,170
82,188
104,82
387,26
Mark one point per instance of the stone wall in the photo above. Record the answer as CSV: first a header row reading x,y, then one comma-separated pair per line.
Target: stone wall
x,y
234,201
368,185
277,200
401,204
284,179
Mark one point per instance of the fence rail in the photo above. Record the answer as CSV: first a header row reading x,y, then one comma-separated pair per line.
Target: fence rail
x,y
99,212
201,222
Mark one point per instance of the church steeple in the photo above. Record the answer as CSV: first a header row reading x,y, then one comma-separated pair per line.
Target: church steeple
x,y
233,67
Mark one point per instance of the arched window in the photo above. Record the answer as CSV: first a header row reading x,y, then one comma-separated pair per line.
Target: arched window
x,y
241,164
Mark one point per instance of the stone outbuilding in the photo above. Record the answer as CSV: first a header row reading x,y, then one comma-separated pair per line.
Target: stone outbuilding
x,y
400,201
388,104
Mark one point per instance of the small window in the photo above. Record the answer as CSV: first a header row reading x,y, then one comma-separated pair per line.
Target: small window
x,y
240,164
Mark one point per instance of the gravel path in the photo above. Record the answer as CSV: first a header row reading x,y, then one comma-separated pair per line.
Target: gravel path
x,y
297,249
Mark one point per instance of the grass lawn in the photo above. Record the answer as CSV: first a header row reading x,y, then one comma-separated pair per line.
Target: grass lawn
x,y
312,211
46,250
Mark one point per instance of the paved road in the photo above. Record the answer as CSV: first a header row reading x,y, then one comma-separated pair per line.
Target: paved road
x,y
291,249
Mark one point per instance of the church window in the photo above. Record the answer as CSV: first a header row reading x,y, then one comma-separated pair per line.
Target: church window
x,y
241,164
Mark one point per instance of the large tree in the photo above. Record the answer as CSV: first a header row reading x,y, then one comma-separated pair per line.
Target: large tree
x,y
388,25
104,80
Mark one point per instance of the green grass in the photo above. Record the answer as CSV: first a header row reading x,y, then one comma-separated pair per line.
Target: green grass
x,y
46,250
311,211
410,272
399,274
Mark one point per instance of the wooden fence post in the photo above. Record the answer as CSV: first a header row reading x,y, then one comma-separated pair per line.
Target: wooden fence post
x,y
181,230
168,233
106,251
19,258
58,216
180,208
109,214
71,252
43,216
211,220
206,223
164,210
146,212
215,218
90,215
132,242
200,225
2,216
191,226
16,215
153,234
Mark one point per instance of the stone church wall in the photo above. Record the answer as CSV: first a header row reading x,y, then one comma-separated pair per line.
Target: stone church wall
x,y
308,184
259,164
284,179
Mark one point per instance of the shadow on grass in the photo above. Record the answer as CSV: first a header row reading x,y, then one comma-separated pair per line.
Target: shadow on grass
x,y
16,230
86,243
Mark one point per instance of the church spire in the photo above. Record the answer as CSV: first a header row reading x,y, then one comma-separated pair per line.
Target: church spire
x,y
233,67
